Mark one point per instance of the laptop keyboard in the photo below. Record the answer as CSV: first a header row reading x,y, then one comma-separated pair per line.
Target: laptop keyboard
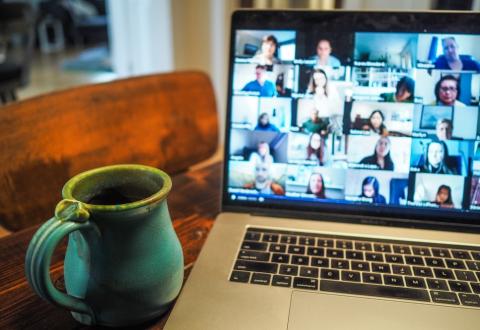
x,y
435,273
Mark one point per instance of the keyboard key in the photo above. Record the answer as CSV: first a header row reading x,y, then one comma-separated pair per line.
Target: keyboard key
x,y
315,251
372,278
299,260
279,248
475,287
280,258
374,257
239,276
415,282
442,253
473,265
325,242
282,280
461,254
394,258
309,272
330,274
435,284
458,286
401,249
434,262
344,245
252,236
443,273
475,255
456,264
442,297
422,271
380,247
421,251
254,246
332,253
414,260
288,239
350,276
254,255
380,268
288,270
319,262
272,238
363,246
393,280
374,290
256,266
339,264
259,278
401,270
296,249
305,283
356,255
360,265
469,299
465,275
306,241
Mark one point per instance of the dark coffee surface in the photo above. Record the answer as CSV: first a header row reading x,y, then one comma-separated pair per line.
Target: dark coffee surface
x,y
117,196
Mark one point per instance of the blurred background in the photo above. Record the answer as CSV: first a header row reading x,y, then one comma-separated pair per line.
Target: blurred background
x,y
47,45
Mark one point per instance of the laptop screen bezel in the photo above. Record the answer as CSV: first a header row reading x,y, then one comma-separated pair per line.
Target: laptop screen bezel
x,y
361,21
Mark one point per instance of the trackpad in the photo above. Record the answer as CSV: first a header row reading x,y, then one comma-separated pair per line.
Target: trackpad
x,y
332,311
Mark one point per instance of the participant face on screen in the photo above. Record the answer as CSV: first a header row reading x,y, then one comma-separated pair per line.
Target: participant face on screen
x,y
263,149
268,48
324,49
260,74
448,91
315,141
450,49
316,183
376,120
443,195
435,154
262,174
368,190
382,147
444,129
320,79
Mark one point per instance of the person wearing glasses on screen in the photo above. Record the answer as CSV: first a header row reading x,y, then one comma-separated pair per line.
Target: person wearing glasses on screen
x,y
316,185
404,91
435,159
447,92
443,198
452,60
266,54
381,156
261,85
371,190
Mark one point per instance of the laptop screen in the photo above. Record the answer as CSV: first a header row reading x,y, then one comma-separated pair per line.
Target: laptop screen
x,y
355,112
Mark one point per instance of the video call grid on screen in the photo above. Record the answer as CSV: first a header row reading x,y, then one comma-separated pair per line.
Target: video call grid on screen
x,y
383,120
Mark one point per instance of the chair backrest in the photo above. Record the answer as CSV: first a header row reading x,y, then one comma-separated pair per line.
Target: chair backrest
x,y
167,120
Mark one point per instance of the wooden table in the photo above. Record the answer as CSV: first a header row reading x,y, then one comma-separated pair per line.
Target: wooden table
x,y
194,202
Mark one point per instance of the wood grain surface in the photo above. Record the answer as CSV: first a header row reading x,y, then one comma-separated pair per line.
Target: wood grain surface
x,y
166,120
194,202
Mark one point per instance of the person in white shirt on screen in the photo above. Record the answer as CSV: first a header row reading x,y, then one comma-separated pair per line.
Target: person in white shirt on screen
x,y
266,55
325,60
262,155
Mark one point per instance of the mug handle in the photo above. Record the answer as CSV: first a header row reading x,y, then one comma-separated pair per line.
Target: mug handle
x,y
70,215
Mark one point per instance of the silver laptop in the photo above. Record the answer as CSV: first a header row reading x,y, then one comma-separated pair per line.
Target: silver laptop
x,y
351,194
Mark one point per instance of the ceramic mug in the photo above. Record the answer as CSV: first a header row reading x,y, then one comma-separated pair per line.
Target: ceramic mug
x,y
124,262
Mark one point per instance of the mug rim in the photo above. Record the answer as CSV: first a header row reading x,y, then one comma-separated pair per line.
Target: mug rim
x,y
67,191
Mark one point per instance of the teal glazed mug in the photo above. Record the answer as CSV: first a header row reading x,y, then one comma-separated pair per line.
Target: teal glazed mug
x,y
124,263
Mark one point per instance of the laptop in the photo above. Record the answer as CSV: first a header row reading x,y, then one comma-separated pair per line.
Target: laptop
x,y
351,194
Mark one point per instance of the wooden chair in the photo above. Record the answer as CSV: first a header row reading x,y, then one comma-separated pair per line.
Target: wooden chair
x,y
166,120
